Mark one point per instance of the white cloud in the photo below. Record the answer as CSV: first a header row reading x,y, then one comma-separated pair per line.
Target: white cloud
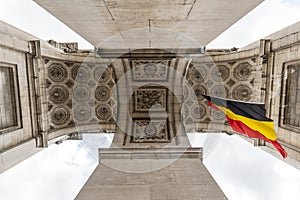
x,y
243,170
58,172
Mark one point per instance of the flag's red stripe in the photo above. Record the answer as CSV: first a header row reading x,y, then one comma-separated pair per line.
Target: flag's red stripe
x,y
240,127
244,129
212,105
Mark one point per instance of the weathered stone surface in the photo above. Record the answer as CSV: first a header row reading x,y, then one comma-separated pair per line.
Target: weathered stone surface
x,y
183,178
144,21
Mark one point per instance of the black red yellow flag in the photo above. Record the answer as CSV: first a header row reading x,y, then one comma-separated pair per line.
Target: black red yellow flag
x,y
247,118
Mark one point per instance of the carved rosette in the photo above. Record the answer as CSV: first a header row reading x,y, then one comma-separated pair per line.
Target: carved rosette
x,y
59,94
81,93
242,92
60,115
102,93
149,131
198,111
103,112
101,74
220,73
57,72
242,72
199,90
80,73
82,113
219,91
199,73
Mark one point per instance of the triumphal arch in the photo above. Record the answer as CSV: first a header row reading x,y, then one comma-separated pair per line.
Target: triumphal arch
x,y
143,82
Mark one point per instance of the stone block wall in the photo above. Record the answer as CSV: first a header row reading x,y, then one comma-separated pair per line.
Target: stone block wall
x,y
17,135
16,124
282,90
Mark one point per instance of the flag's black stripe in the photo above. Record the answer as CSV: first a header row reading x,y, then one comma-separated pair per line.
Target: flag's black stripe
x,y
249,110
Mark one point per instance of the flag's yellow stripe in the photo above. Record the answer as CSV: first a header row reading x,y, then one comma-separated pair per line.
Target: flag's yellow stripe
x,y
264,127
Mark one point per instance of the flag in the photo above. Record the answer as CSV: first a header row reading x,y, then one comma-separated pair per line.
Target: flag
x,y
247,118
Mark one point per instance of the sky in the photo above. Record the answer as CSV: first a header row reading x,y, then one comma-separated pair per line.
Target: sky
x,y
60,171
241,170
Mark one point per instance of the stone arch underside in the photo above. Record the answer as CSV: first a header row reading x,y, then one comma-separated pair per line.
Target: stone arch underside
x,y
87,94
